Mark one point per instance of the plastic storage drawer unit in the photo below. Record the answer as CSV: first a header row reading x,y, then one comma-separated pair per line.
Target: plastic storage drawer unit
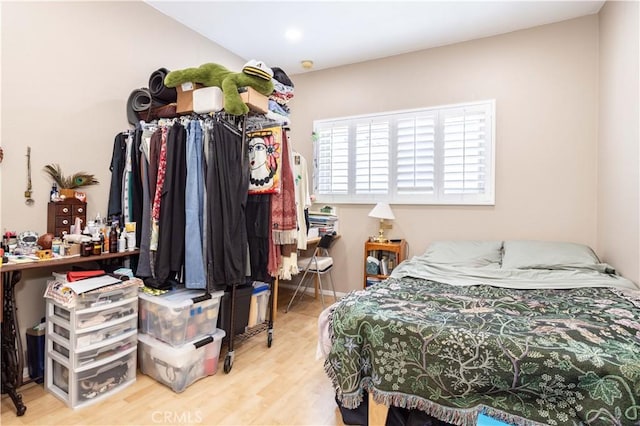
x,y
85,337
179,367
93,353
179,316
95,317
84,386
99,297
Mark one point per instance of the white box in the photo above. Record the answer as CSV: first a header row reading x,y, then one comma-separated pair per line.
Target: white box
x,y
258,307
179,316
179,367
207,99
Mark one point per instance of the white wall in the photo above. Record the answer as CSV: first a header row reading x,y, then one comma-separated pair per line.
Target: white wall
x,y
545,82
67,71
619,138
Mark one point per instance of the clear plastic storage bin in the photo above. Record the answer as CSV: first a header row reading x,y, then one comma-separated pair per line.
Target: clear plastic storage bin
x,y
179,316
179,367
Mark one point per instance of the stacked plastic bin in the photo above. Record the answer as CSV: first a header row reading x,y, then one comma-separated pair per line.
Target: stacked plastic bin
x,y
178,341
259,303
91,346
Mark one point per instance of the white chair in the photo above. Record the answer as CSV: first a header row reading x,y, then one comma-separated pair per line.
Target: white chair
x,y
320,263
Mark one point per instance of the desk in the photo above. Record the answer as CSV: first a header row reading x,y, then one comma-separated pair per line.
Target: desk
x,y
311,243
12,353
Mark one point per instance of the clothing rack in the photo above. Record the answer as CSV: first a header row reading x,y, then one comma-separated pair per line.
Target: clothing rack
x,y
233,143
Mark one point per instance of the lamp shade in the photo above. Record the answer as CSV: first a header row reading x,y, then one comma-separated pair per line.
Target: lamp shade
x,y
382,211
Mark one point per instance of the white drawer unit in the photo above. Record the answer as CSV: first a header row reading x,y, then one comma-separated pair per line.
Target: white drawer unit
x,y
86,337
95,317
92,348
92,383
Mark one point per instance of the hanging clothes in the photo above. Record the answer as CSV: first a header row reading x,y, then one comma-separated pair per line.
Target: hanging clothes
x,y
135,185
144,261
194,275
258,231
227,188
170,251
303,197
118,159
160,172
284,226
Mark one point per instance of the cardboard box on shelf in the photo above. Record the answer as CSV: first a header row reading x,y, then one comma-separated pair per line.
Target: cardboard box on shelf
x,y
185,97
255,101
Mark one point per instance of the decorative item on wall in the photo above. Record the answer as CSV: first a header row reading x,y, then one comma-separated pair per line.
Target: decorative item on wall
x,y
382,211
265,159
67,185
27,194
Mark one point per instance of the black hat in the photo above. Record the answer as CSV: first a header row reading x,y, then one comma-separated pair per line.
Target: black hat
x,y
281,76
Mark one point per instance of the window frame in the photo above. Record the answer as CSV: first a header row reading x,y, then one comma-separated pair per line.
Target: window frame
x,y
392,196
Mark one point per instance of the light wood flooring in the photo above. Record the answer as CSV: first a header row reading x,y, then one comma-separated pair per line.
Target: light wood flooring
x,y
281,385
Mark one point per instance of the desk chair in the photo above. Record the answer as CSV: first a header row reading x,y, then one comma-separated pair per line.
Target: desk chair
x,y
318,264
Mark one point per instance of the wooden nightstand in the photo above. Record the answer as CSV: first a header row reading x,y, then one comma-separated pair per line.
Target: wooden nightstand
x,y
389,256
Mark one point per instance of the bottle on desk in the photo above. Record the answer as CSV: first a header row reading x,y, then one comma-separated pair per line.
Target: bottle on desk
x,y
122,242
113,240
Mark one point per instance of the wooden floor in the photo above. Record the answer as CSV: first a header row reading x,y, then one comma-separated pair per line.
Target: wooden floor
x,y
281,385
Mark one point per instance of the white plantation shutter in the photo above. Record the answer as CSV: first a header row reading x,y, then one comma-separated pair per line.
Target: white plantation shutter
x,y
441,155
465,151
372,157
332,160
415,143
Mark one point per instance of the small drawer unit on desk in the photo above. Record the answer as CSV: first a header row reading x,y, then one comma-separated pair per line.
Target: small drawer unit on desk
x,y
381,258
62,214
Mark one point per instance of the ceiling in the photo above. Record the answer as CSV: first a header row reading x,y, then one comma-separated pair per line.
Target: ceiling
x,y
334,33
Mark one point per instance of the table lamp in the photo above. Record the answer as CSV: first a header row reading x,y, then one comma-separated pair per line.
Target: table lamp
x,y
382,211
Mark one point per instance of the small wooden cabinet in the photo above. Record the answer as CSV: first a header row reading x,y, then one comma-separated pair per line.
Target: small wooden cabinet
x,y
62,214
389,255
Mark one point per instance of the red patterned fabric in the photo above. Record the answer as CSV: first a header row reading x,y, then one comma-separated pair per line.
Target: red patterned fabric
x,y
284,224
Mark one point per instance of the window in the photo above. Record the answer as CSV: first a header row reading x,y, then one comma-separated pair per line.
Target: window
x,y
440,155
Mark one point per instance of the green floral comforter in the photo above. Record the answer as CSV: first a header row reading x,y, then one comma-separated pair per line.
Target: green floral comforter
x,y
556,357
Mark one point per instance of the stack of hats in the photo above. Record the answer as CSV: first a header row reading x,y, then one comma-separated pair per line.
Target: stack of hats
x,y
282,93
258,69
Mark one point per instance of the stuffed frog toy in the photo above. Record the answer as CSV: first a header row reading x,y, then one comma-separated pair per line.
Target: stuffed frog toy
x,y
254,74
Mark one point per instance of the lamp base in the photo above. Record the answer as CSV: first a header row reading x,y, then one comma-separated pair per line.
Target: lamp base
x,y
381,238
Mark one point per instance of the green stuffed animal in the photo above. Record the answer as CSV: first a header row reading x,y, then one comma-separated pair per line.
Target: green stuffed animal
x,y
254,74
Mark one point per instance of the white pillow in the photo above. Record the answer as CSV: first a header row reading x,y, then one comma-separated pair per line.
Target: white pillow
x,y
548,255
465,253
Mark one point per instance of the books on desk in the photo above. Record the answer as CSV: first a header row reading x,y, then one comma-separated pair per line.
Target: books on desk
x,y
325,223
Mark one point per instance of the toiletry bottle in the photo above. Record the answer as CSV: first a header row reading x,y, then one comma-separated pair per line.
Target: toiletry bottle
x,y
122,242
113,240
54,192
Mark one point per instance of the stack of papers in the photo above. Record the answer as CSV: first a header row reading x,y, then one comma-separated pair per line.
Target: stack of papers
x,y
89,284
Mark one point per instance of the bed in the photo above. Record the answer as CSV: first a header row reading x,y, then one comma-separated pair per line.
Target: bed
x,y
526,332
